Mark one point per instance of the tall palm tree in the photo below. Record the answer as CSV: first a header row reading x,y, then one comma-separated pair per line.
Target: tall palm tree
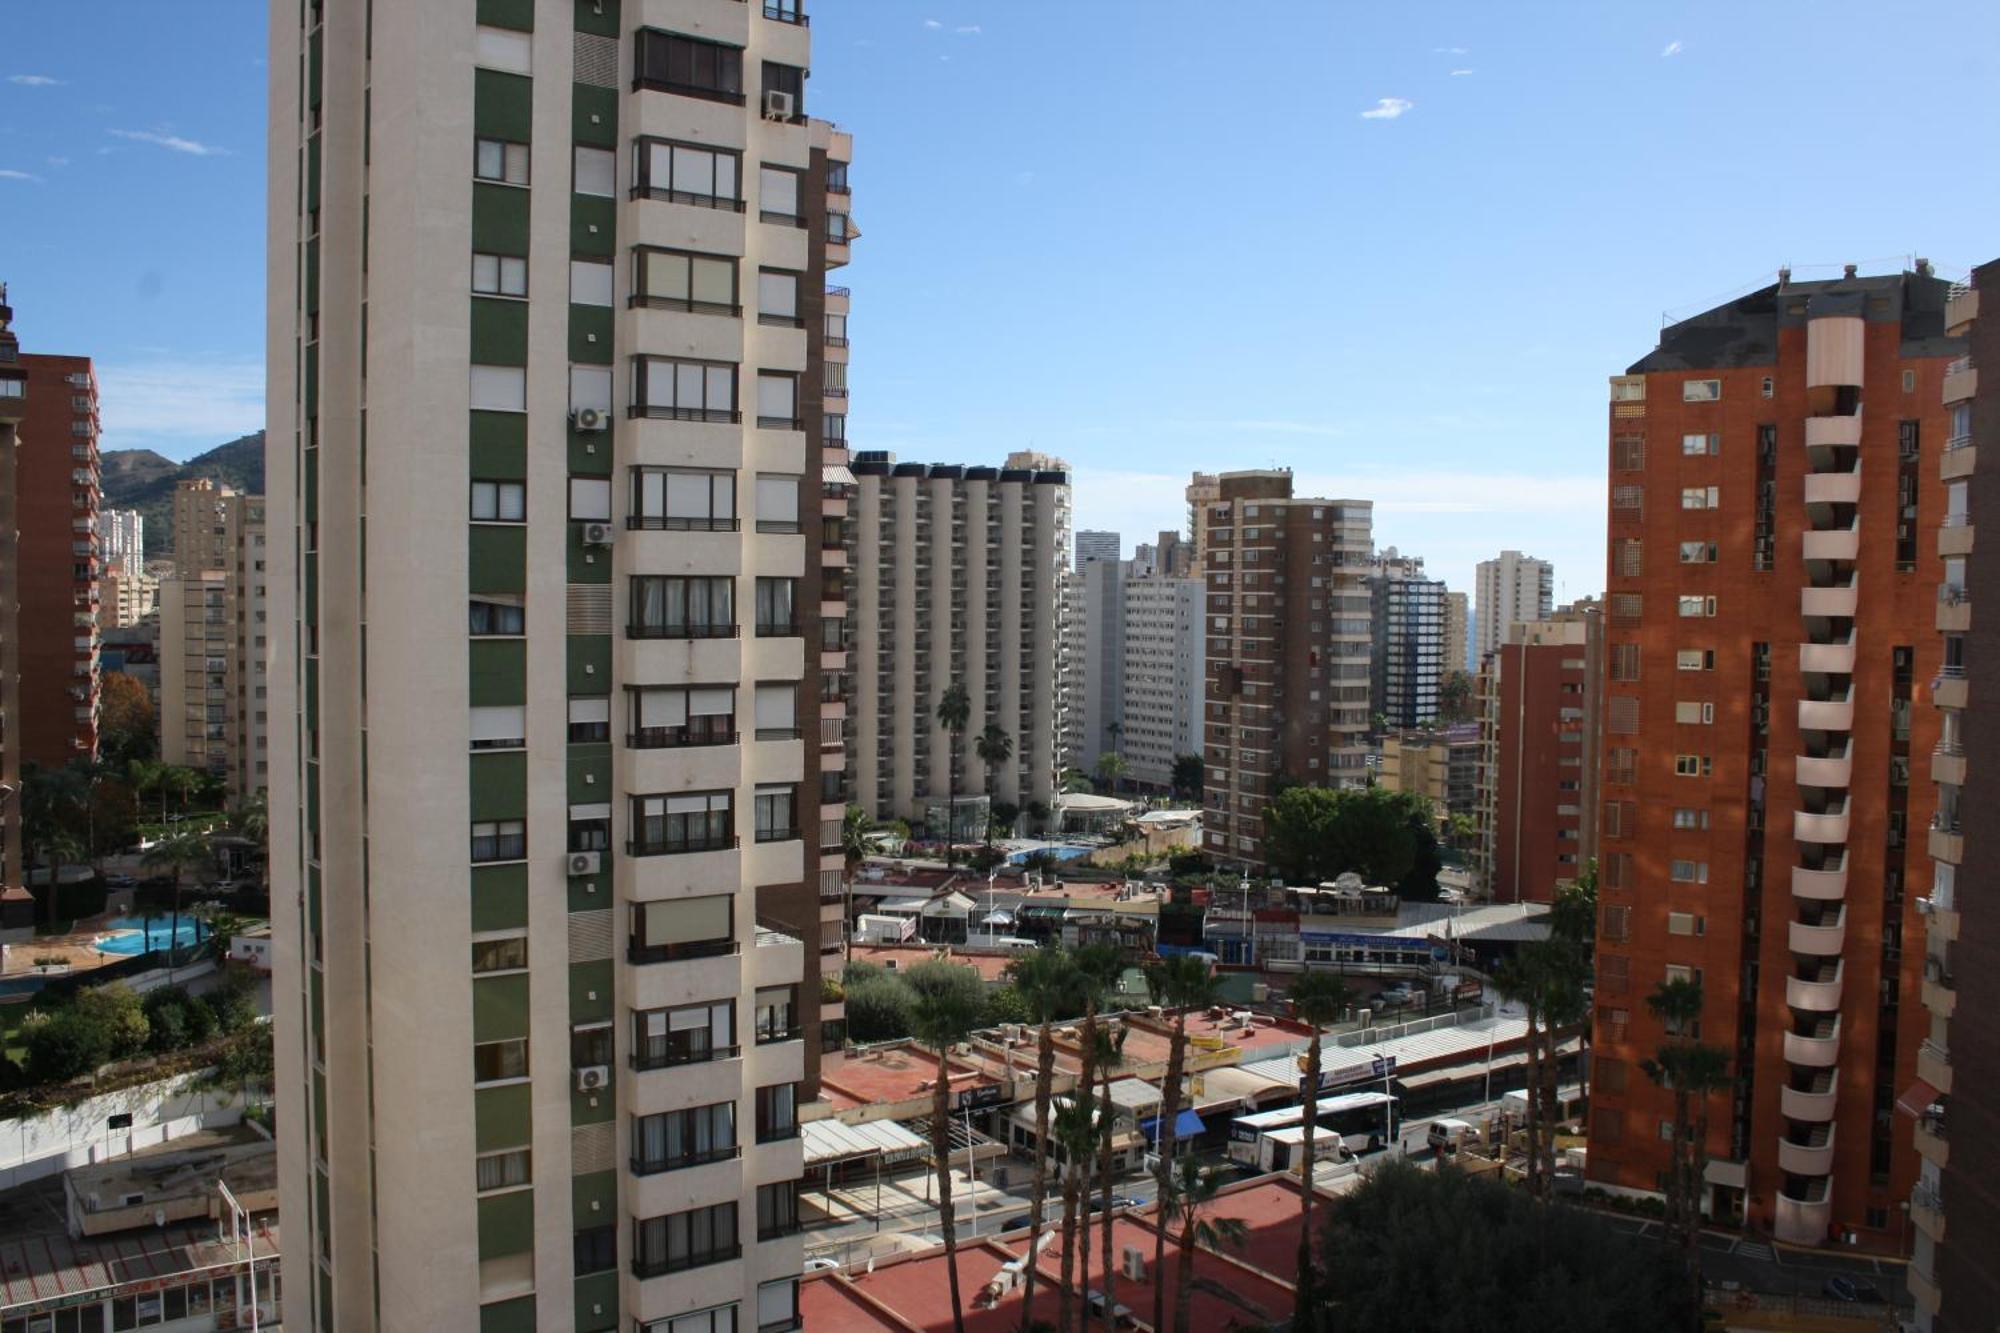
x,y
1097,965
1181,983
1191,1188
1110,1054
1076,1136
994,747
1317,999
855,826
179,852
1050,986
184,782
60,848
1547,978
147,777
1110,768
954,710
1693,1072
944,1013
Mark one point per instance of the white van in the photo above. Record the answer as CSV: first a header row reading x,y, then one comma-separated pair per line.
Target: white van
x,y
1448,1136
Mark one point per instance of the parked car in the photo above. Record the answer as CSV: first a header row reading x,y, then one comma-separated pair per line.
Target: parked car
x,y
1853,1290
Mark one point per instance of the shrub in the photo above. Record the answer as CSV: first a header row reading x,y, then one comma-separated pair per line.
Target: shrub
x,y
119,1016
231,1005
65,1045
879,1010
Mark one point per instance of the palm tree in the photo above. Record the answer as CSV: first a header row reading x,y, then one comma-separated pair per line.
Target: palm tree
x,y
1181,983
60,848
1076,1136
994,747
1050,986
943,1014
855,826
183,782
954,710
1191,1188
146,777
1317,999
1110,1054
178,852
1110,768
1097,968
1693,1072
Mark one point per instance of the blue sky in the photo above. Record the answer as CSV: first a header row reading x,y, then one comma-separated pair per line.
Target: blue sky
x,y
1151,238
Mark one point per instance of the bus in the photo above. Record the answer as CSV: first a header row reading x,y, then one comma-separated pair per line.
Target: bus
x,y
1352,1119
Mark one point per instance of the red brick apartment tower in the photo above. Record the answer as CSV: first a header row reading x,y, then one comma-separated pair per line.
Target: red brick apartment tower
x,y
1772,635
17,908
1539,734
56,498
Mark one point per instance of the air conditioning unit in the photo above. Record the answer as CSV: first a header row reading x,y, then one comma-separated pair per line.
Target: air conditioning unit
x,y
585,863
588,420
1134,1264
597,534
777,105
593,1078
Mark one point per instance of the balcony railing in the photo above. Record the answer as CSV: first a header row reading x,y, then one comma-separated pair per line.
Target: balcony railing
x,y
660,1053
677,738
639,847
669,523
653,1166
702,1259
640,630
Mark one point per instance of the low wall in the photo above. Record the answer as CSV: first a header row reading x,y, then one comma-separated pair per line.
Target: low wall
x,y
34,1147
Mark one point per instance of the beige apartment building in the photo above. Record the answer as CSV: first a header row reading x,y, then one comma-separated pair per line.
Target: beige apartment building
x,y
960,575
127,594
554,585
214,638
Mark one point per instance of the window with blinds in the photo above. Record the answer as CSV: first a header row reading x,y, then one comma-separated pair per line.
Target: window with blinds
x,y
684,280
685,822
684,1035
777,502
683,501
667,717
777,711
676,1139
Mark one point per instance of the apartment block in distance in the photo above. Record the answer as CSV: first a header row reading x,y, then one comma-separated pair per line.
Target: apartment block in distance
x,y
1164,673
1408,641
1771,632
1510,587
1095,722
1288,650
960,576
214,638
1457,633
554,781
1539,731
1952,1107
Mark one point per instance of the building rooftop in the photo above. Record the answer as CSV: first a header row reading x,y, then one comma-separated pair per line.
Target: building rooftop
x,y
890,1074
1744,331
991,967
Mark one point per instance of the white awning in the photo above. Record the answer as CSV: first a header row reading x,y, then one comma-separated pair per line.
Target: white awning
x,y
837,476
829,1141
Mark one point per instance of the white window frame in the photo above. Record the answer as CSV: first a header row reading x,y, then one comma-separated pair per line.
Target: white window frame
x,y
592,282
498,388
503,49
500,162
1701,391
499,275
594,171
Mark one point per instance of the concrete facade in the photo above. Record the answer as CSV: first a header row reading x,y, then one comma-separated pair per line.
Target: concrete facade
x,y
1510,587
1407,642
1164,675
215,639
123,535
1458,633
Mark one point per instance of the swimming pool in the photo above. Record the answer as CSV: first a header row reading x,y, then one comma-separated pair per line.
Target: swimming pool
x,y
1056,852
128,935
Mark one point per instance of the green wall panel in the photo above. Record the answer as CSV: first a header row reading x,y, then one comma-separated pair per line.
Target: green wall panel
x,y
312,276
498,558
593,1199
502,1117
499,219
519,14
499,443
590,651
499,1007
590,334
585,980
594,115
499,672
590,455
597,1303
506,1224
315,65
312,174
502,105
589,774
587,564
515,1316
591,230
499,897
598,16
499,785
581,1112
499,332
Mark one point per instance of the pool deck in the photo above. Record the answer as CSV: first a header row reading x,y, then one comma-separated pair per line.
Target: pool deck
x,y
77,948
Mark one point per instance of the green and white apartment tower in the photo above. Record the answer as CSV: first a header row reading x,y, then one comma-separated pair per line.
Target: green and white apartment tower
x,y
557,489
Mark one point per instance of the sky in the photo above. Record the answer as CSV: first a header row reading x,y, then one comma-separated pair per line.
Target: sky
x,y
1396,247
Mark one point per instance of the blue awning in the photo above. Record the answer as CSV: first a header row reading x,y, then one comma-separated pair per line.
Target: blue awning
x,y
1187,1125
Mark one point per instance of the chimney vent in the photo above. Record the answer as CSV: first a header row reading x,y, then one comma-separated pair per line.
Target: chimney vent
x,y
1849,270
1924,267
1785,276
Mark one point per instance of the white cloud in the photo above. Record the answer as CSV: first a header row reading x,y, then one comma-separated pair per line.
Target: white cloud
x,y
1674,48
1460,73
1387,108
171,141
34,81
204,402
932,24
969,30
8,175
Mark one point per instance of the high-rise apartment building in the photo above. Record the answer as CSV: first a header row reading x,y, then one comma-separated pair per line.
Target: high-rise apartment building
x,y
1771,630
1510,587
122,532
17,906
214,638
1093,545
1539,729
960,577
1202,491
127,594
1095,722
1457,633
1288,624
1441,764
1408,642
1953,1104
1163,674
555,464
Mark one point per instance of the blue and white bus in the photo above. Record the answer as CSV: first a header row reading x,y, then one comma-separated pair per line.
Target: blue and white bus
x,y
1347,1122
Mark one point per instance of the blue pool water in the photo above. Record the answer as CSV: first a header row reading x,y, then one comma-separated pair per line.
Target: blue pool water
x,y
127,935
1057,853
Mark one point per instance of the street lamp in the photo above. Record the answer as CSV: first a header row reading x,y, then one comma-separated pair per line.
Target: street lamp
x,y
243,1236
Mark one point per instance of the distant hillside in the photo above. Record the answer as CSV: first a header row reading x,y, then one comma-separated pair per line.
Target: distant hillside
x,y
141,479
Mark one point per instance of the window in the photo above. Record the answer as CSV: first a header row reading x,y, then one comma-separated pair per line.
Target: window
x,y
778,298
778,1299
1688,872
777,1112
499,727
594,171
777,1014
591,282
1630,496
495,618
1691,713
502,955
683,929
1612,825
499,502
839,229
1628,453
777,613
1701,391
778,194
500,840
1698,553
590,499
689,1034
589,719
669,62
1695,659
1694,604
597,1249
777,812
503,49
689,822
1625,662
1617,923
590,387
499,275
1687,817
502,1170
499,388
833,379
499,160
777,705
777,1210
1627,555
672,716
1768,386
1693,445
789,80
1687,923
1627,607
786,11
669,606
493,1061
836,330
686,1240
684,390
1701,497
685,173
683,501
1621,714
778,401
677,1139
684,280
1692,765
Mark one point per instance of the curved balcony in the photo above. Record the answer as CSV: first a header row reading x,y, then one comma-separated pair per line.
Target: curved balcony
x,y
1832,543
1834,770
1833,488
1828,885
1819,994
1832,659
1817,1049
1813,1157
1834,346
1812,1104
1830,827
1826,715
1819,941
1837,601
1803,1221
1833,432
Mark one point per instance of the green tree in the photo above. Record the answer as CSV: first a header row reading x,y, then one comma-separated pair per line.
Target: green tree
x,y
1189,1189
1051,989
62,1046
1038,816
1317,1000
1693,1072
167,1018
1005,1005
1420,883
1316,834
233,1003
1076,1137
1455,697
1110,768
878,1009
954,710
1181,983
855,826
181,853
1110,1055
119,1015
1005,817
59,847
994,748
944,1014
1190,776
1099,966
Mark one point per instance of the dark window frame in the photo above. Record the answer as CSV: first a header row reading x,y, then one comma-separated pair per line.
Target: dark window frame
x,y
673,62
644,256
675,191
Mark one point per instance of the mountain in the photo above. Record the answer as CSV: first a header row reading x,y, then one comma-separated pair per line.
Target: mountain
x,y
143,480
